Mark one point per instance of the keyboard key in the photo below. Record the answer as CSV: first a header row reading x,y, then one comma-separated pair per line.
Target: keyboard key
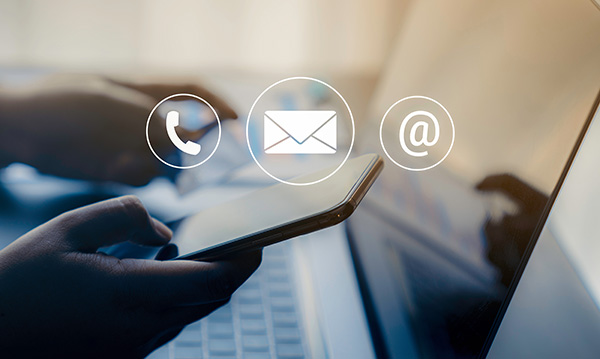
x,y
160,353
284,319
220,330
253,326
187,352
221,347
264,355
280,286
280,290
278,276
276,250
194,326
255,343
251,311
249,296
277,293
222,314
282,304
287,335
274,260
186,335
290,351
276,265
251,284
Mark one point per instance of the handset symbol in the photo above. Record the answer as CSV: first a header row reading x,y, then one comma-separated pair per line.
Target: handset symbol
x,y
189,147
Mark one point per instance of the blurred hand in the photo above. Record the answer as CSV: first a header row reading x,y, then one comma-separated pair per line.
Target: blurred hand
x,y
91,128
61,298
508,238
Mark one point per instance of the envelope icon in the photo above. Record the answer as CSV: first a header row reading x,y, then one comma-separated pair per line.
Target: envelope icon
x,y
300,132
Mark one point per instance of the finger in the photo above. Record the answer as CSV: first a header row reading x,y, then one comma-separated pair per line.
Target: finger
x,y
167,252
160,91
113,221
184,315
184,282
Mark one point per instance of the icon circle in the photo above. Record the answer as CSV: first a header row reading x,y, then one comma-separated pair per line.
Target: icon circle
x,y
423,140
193,97
252,109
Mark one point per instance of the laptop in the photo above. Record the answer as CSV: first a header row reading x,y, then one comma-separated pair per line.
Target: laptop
x,y
429,266
440,263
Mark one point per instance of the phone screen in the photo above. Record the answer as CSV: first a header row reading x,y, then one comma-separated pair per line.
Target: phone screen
x,y
269,208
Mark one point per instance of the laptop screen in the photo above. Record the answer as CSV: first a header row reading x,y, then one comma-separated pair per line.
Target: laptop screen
x,y
437,250
554,310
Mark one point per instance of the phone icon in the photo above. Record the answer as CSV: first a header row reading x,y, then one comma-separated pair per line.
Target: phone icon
x,y
189,147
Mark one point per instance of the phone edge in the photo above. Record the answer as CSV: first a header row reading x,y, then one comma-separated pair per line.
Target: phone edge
x,y
335,215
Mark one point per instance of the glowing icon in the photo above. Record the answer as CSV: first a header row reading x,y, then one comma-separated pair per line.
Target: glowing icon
x,y
189,147
300,132
424,140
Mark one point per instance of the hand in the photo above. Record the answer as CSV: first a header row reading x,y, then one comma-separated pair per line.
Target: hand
x,y
508,238
91,128
61,298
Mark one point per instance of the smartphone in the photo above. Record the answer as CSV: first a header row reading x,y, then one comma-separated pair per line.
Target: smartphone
x,y
276,213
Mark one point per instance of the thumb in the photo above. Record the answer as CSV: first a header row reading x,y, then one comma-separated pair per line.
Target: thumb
x,y
110,222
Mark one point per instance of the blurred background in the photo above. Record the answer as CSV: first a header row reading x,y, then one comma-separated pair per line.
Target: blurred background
x,y
216,41
240,47
181,36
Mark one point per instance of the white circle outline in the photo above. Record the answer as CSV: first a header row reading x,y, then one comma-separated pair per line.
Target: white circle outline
x,y
248,127
148,126
381,133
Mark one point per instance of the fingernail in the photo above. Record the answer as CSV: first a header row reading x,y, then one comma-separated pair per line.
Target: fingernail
x,y
161,229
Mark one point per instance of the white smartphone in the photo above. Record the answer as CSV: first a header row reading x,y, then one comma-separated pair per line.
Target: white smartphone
x,y
276,213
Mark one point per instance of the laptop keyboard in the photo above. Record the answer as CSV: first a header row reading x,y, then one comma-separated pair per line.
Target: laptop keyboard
x,y
262,320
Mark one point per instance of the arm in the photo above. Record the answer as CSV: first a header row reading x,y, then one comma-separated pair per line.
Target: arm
x,y
88,127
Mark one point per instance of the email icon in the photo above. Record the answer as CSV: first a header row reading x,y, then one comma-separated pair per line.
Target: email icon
x,y
300,132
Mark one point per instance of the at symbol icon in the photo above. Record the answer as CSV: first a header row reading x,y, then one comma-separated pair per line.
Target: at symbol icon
x,y
424,141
